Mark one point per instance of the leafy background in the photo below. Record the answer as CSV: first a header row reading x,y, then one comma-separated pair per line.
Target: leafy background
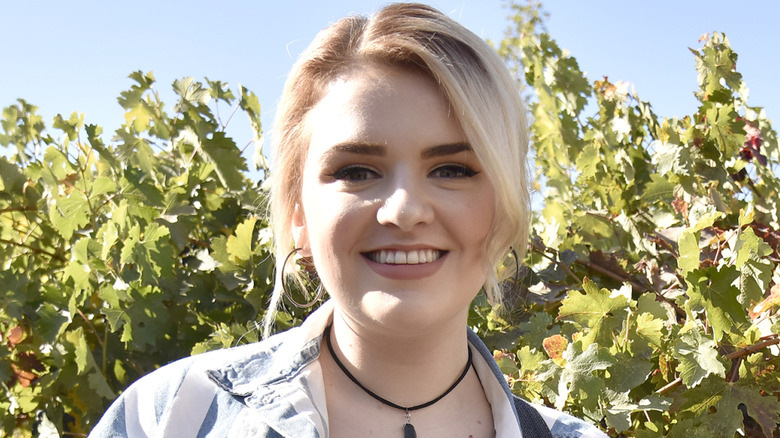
x,y
647,305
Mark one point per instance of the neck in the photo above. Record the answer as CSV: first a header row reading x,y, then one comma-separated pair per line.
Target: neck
x,y
405,368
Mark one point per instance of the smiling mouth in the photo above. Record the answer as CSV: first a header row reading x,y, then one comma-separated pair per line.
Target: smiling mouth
x,y
396,257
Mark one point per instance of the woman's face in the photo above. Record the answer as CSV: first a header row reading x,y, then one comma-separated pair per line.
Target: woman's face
x,y
395,205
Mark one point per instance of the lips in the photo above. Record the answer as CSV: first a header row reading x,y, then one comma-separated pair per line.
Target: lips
x,y
398,257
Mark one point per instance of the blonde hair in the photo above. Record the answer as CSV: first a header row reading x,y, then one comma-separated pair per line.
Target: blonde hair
x,y
471,75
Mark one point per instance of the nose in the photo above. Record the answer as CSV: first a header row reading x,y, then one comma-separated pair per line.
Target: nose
x,y
405,207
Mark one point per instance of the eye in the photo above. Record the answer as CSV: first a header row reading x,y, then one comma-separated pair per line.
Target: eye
x,y
453,171
351,174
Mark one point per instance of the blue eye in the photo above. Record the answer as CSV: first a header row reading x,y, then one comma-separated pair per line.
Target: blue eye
x,y
354,174
453,171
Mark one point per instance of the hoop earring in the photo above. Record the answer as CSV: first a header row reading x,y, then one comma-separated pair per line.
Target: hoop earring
x,y
517,264
512,285
287,292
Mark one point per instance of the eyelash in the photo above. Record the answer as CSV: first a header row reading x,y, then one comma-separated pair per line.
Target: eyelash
x,y
456,171
348,174
356,173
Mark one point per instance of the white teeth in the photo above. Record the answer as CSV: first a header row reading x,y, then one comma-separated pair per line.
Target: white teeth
x,y
415,257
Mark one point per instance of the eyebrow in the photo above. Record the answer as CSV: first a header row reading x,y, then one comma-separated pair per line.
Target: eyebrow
x,y
359,148
445,149
380,150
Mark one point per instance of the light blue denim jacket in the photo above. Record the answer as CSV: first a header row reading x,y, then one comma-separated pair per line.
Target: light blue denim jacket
x,y
274,388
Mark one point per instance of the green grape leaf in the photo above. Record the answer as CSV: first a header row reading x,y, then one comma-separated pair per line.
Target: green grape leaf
x,y
81,349
51,322
56,166
588,161
116,318
765,410
706,220
128,99
147,318
712,289
219,90
69,214
529,360
747,216
11,177
578,374
103,185
221,254
659,188
79,272
251,104
667,158
151,252
191,94
136,151
632,372
698,357
506,363
98,383
647,303
618,414
536,329
597,311
239,245
129,244
690,253
107,157
754,279
139,117
716,406
749,246
650,329
622,405
71,126
221,151
110,235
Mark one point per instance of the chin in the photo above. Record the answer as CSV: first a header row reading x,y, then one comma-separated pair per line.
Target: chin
x,y
408,310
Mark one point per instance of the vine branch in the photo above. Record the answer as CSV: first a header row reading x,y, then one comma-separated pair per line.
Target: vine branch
x,y
736,358
750,349
24,208
543,250
34,249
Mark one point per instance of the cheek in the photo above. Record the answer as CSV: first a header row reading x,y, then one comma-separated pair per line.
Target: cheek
x,y
333,224
320,219
473,218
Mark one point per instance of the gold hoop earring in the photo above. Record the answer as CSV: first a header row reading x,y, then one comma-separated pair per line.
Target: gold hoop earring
x,y
287,292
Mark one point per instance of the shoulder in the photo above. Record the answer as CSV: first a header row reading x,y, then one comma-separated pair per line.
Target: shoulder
x,y
563,425
186,385
167,381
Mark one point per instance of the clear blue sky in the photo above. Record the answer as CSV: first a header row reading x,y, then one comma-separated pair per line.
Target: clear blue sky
x,y
76,55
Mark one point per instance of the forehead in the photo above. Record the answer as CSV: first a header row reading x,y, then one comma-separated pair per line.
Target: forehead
x,y
383,104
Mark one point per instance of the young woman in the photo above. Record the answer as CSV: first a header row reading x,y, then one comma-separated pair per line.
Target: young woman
x,y
400,149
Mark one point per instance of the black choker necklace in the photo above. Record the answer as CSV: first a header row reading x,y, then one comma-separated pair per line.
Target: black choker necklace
x,y
409,431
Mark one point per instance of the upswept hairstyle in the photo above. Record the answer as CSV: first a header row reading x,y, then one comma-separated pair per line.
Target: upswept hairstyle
x,y
471,76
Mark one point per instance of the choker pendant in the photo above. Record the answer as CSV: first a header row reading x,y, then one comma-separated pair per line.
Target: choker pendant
x,y
409,431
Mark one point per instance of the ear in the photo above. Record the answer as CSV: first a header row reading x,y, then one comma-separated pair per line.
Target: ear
x,y
300,232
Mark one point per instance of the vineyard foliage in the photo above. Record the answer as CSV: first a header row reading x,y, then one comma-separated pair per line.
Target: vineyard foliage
x,y
648,302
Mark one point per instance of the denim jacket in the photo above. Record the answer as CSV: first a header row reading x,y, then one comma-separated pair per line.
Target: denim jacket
x,y
274,388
